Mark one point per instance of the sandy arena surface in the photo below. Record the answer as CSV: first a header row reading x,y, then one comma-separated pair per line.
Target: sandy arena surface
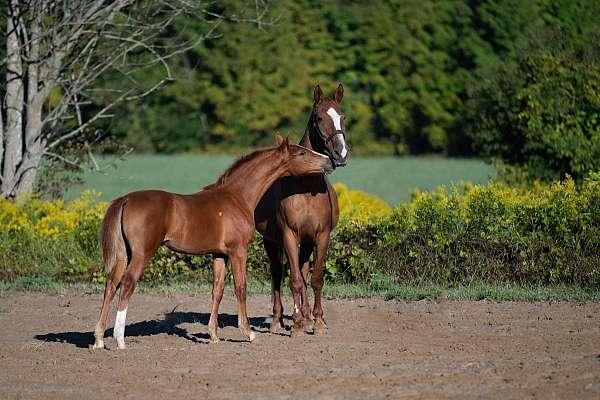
x,y
372,349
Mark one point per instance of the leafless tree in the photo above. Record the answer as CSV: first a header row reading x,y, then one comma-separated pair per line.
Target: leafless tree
x,y
57,51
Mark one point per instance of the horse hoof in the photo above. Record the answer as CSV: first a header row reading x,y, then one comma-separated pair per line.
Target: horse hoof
x,y
98,345
297,330
252,336
214,340
320,326
276,327
308,325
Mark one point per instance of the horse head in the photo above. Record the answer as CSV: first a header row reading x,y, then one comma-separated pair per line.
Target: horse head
x,y
326,126
302,161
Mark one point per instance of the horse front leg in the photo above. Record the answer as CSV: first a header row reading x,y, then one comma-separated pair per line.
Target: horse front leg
x,y
305,252
217,295
321,246
238,266
290,244
274,253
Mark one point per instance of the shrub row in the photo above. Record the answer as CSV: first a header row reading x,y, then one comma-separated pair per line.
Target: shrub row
x,y
495,233
542,235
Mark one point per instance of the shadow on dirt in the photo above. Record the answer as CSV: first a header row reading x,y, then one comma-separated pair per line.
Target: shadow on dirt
x,y
168,325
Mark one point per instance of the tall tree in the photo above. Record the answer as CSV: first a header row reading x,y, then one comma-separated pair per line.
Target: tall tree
x,y
57,51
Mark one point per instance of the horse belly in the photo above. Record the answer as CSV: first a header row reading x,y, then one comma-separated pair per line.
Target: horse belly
x,y
307,215
195,236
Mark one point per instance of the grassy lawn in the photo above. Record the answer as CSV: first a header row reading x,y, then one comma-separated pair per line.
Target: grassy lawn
x,y
383,288
392,179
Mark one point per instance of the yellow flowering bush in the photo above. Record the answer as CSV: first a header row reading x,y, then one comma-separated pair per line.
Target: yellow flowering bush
x,y
542,234
44,218
50,237
360,207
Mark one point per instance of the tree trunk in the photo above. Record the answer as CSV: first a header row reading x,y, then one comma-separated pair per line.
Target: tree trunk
x,y
1,138
34,148
14,102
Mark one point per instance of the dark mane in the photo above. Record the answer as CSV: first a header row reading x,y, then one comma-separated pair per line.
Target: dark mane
x,y
236,165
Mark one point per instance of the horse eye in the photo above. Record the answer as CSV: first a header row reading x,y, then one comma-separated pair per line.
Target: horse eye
x,y
319,119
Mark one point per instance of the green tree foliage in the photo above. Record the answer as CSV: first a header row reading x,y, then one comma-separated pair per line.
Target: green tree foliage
x,y
542,112
409,68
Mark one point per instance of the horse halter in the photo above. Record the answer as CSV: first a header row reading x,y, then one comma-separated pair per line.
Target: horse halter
x,y
328,141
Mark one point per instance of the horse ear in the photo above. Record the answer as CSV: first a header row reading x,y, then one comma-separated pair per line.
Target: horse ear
x,y
278,138
287,141
339,93
318,94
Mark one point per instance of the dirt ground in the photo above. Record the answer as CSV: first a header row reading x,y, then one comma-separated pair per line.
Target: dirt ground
x,y
372,349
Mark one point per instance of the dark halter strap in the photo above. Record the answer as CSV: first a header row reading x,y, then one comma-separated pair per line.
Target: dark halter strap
x,y
327,141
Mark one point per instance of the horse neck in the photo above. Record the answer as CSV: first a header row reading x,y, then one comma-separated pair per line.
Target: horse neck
x,y
305,141
251,181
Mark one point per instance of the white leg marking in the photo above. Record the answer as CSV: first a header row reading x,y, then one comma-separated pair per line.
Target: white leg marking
x,y
99,342
120,328
296,308
252,336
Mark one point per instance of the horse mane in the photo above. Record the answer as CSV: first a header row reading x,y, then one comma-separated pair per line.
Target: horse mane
x,y
235,166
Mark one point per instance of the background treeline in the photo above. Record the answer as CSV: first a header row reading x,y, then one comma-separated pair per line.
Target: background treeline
x,y
421,77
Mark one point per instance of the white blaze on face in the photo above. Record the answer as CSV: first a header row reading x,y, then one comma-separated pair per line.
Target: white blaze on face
x,y
335,117
344,149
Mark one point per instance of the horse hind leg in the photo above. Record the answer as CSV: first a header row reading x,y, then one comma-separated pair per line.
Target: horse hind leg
x,y
128,283
112,283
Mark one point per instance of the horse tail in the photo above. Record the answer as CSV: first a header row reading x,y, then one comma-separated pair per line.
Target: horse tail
x,y
113,237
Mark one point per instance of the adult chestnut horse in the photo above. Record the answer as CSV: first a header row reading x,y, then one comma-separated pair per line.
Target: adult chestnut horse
x,y
298,214
217,220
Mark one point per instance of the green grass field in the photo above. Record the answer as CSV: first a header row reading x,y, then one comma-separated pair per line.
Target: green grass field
x,y
392,179
387,289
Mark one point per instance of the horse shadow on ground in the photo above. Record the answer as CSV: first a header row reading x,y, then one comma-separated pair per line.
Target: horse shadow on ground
x,y
169,325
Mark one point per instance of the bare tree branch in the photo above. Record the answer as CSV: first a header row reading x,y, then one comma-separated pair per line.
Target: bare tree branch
x,y
59,51
80,129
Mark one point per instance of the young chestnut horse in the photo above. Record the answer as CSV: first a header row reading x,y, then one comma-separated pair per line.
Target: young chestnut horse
x,y
299,213
217,220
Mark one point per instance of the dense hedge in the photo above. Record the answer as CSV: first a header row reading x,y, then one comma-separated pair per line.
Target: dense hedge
x,y
548,234
493,233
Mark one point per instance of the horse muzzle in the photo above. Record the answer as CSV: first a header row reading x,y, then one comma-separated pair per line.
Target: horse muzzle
x,y
339,154
328,166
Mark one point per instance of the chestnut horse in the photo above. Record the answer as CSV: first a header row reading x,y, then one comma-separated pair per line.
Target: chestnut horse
x,y
217,220
298,214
